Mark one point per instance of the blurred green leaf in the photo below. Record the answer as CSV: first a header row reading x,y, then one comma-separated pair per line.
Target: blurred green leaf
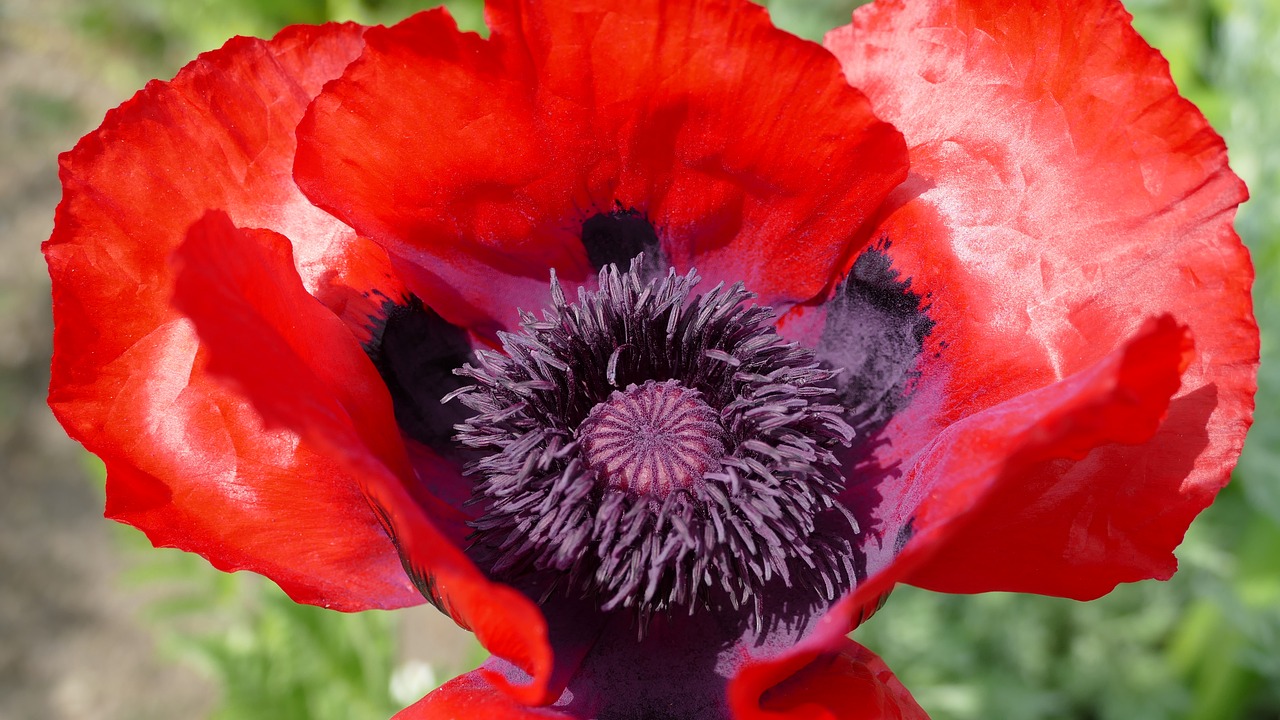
x,y
810,18
273,658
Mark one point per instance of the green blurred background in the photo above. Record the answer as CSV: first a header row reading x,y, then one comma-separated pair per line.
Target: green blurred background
x,y
95,624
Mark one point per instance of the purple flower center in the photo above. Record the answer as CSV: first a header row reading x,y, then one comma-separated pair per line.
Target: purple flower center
x,y
652,440
655,451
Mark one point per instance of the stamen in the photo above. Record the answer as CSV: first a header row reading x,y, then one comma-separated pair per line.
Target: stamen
x,y
657,453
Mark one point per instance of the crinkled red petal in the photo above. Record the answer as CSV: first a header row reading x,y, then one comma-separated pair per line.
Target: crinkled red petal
x,y
1007,461
475,162
302,369
1061,194
846,682
188,462
1069,515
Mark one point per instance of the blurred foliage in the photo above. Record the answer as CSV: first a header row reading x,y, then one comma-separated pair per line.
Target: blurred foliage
x,y
1241,69
154,38
273,659
1205,645
810,18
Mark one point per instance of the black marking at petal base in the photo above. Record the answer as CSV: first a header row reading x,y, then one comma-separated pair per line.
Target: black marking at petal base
x,y
614,238
422,579
875,329
416,351
905,533
758,512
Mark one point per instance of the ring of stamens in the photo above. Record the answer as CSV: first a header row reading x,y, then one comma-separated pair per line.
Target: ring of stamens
x,y
656,452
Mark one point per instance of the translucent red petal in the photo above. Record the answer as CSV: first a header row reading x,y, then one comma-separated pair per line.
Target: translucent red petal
x,y
1062,195
188,461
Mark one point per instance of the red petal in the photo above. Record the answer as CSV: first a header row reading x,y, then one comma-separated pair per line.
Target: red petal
x,y
475,163
356,284
301,368
1068,506
1061,194
988,482
474,696
1025,496
294,358
845,681
187,461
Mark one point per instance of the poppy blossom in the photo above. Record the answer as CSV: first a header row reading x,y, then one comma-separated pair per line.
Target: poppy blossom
x,y
655,345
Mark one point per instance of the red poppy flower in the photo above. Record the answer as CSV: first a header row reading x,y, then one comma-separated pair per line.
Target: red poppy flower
x,y
1001,335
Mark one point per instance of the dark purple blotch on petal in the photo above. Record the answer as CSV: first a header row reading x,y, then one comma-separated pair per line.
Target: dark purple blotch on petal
x,y
416,351
677,671
875,330
615,237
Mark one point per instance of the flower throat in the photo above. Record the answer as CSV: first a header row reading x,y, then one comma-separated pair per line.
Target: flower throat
x,y
656,453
